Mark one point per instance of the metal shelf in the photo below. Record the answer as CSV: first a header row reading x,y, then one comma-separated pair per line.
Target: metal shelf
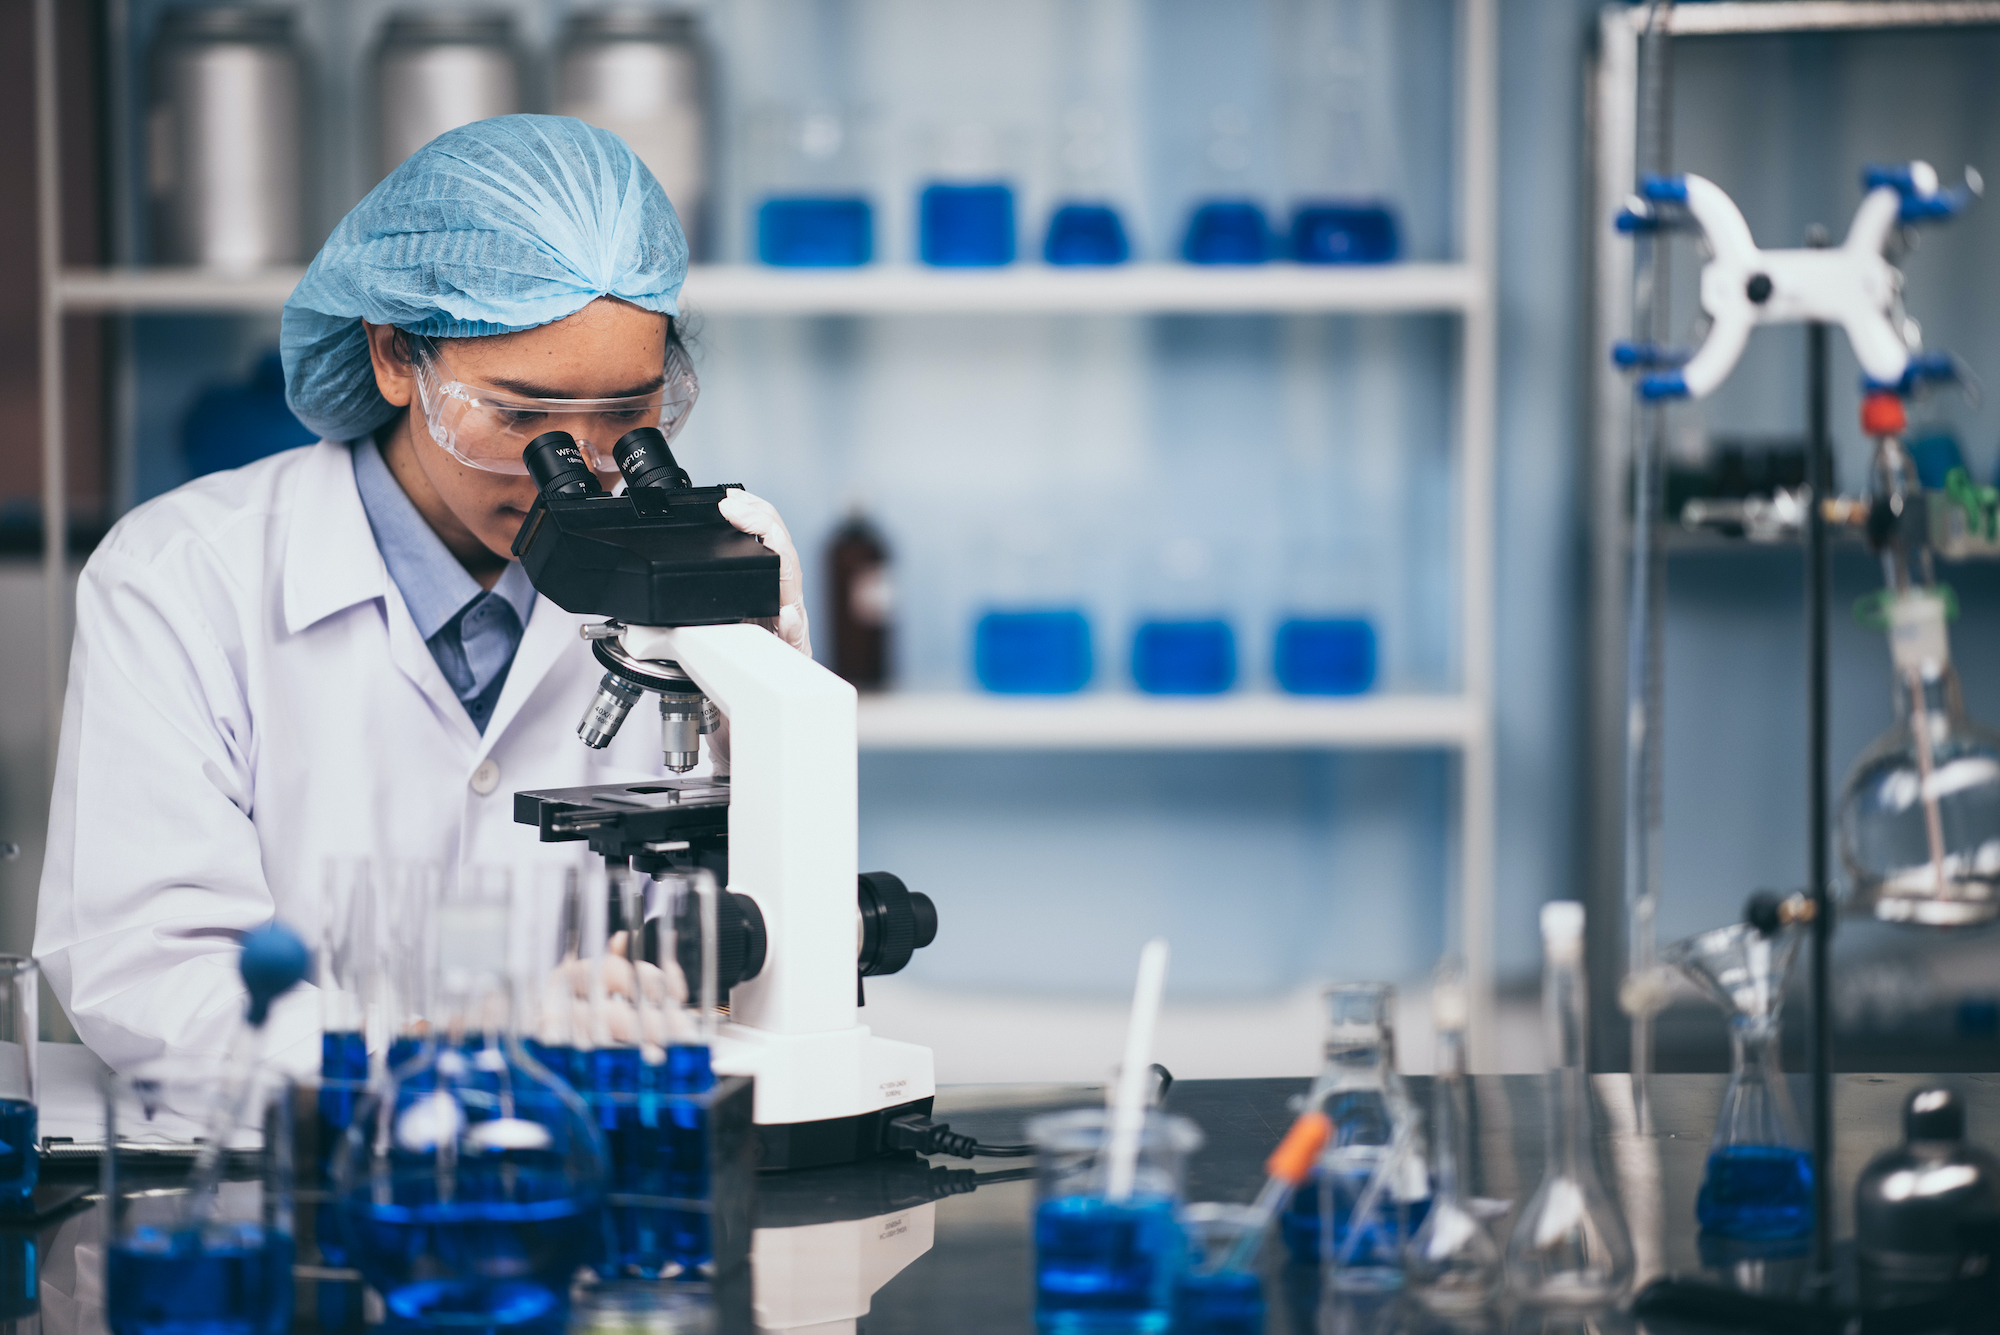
x,y
745,289
1115,722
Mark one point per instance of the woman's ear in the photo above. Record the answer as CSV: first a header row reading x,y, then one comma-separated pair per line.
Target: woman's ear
x,y
389,353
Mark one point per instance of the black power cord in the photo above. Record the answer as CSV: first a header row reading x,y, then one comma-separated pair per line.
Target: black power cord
x,y
914,1131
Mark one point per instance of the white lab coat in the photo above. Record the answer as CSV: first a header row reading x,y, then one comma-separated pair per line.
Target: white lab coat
x,y
248,696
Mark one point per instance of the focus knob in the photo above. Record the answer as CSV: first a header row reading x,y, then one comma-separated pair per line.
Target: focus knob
x,y
896,922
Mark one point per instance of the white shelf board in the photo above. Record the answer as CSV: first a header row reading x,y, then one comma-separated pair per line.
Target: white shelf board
x,y
1026,289
1120,722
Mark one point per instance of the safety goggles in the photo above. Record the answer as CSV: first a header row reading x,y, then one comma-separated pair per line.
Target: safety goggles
x,y
488,428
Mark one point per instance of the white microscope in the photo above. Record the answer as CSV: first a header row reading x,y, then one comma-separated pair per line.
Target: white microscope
x,y
798,929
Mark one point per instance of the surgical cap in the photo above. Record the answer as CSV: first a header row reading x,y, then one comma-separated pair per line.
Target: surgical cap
x,y
497,226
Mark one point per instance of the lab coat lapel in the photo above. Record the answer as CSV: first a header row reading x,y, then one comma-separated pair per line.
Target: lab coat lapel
x,y
409,652
549,634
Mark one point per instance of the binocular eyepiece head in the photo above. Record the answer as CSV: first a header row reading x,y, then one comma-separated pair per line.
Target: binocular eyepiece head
x,y
557,464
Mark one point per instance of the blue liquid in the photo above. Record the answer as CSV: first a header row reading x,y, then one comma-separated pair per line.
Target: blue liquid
x,y
1380,1245
1229,1303
1032,653
1086,234
20,1285
343,1058
1227,231
20,1167
1105,1267
815,232
236,1281
1326,657
967,226
1353,233
1935,453
499,1253
1184,657
1757,1191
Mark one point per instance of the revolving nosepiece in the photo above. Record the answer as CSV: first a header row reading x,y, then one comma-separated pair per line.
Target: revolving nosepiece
x,y
608,708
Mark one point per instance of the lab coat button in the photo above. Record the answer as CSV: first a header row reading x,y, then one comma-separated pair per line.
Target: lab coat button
x,y
486,778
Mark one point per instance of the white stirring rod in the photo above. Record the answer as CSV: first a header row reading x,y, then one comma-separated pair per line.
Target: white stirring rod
x,y
1128,1111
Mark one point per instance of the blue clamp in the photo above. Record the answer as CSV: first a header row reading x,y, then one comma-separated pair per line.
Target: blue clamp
x,y
1925,368
1924,200
1663,385
1664,189
1634,356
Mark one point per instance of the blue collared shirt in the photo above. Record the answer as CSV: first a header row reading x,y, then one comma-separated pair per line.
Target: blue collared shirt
x,y
471,632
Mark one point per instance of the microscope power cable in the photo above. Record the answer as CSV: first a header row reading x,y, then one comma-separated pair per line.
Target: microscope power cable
x,y
914,1131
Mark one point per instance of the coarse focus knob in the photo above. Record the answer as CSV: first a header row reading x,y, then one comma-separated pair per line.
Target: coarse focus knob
x,y
645,459
558,466
740,943
896,922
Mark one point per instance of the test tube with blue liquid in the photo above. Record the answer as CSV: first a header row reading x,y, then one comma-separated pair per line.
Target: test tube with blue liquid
x,y
20,1074
471,1181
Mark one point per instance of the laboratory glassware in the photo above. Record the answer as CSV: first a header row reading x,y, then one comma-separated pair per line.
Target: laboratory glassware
x,y
1327,642
1227,223
436,71
1104,1265
1211,1296
1452,1264
1919,814
809,168
1911,1203
643,76
471,1182
186,1251
1370,1188
1758,1184
1086,228
1184,643
1570,1246
347,971
965,211
225,164
1031,635
20,1077
1341,58
858,567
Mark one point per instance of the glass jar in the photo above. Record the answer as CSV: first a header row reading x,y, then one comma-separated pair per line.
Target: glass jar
x,y
437,71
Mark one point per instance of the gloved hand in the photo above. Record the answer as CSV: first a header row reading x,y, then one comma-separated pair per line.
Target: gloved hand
x,y
756,516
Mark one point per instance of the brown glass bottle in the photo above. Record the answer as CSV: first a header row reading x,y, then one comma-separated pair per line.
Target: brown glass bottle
x,y
858,563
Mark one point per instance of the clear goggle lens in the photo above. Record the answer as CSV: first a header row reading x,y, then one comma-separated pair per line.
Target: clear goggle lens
x,y
488,428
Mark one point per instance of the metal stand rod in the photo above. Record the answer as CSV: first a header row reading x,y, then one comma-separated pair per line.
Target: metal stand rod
x,y
1819,466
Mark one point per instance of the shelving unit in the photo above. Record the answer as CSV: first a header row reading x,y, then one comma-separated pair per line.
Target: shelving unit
x,y
1460,723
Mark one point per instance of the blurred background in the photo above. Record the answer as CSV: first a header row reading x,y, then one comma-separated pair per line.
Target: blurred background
x,y
1183,409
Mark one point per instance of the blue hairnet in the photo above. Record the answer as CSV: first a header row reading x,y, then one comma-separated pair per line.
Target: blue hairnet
x,y
501,225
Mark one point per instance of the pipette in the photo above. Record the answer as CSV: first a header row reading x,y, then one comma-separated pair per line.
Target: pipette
x,y
1128,1112
274,960
1288,1166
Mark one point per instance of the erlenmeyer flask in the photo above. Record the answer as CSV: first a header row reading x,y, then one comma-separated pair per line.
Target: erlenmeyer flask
x,y
1452,1265
1920,812
470,1183
1759,1181
1570,1247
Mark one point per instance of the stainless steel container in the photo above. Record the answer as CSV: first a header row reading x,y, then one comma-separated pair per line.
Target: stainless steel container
x,y
436,72
225,138
642,75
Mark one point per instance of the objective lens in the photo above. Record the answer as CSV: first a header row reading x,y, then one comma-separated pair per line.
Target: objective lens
x,y
608,708
644,458
680,731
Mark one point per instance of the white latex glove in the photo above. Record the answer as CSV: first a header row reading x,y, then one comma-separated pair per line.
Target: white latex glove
x,y
757,516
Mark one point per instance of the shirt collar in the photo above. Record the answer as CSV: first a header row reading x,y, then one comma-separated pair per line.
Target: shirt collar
x,y
435,587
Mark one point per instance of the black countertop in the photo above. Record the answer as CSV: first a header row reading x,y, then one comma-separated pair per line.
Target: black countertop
x,y
908,1246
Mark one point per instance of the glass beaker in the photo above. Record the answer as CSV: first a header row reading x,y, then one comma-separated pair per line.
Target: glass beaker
x,y
1374,1136
1208,1298
1327,641
1032,635
20,1079
1570,1247
965,212
1184,643
471,1183
1759,1181
217,1257
1104,1265
1920,811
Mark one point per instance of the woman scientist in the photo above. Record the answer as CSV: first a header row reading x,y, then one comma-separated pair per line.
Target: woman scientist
x,y
329,653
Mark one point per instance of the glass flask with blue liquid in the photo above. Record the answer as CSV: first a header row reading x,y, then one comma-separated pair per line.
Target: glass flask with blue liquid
x,y
965,210
350,969
1030,634
472,1182
1104,1265
1328,640
198,1250
1226,218
1340,137
1184,643
1087,227
20,1079
1371,1189
813,204
1758,1185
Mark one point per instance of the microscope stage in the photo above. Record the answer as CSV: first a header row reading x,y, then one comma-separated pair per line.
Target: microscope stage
x,y
623,819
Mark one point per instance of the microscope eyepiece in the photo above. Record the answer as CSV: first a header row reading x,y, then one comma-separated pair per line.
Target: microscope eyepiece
x,y
645,459
558,466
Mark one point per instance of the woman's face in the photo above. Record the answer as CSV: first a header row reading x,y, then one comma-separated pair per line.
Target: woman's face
x,y
606,350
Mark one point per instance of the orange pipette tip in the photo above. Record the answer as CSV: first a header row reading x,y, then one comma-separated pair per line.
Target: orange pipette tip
x,y
1293,1158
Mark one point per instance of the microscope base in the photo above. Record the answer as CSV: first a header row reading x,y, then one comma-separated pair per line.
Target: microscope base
x,y
826,1098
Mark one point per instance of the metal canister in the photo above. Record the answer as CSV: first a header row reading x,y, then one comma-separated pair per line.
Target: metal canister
x,y
436,72
643,75
225,138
